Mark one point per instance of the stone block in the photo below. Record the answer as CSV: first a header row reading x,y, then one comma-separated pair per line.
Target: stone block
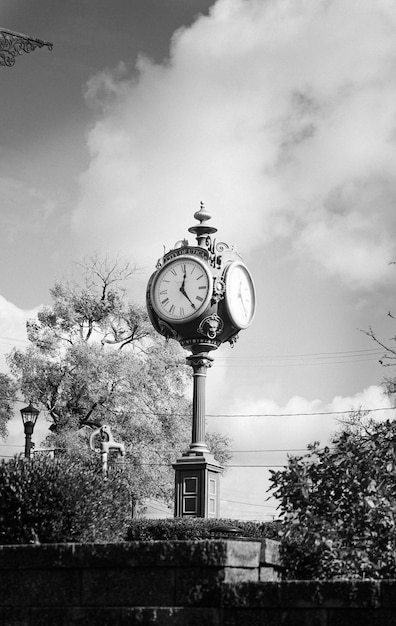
x,y
274,617
250,595
171,617
360,617
241,574
39,587
388,593
123,616
364,594
14,616
243,553
270,553
198,586
267,574
128,587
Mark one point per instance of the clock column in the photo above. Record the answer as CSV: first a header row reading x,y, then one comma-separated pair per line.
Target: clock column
x,y
215,317
200,363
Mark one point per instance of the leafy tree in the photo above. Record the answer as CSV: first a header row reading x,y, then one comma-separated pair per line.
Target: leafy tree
x,y
94,359
338,505
8,390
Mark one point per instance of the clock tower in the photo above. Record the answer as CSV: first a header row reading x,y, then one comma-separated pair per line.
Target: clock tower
x,y
200,295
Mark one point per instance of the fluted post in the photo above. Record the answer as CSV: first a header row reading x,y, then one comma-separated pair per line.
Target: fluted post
x,y
200,363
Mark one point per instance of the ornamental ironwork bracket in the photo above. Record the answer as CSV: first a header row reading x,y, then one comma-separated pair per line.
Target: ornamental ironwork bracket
x,y
12,44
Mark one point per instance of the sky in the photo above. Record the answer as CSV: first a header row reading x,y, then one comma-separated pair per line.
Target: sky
x,y
279,115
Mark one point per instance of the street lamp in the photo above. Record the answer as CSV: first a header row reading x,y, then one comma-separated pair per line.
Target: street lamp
x,y
29,417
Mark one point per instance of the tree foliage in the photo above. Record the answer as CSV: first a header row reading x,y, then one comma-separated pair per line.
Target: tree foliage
x,y
338,505
8,390
94,359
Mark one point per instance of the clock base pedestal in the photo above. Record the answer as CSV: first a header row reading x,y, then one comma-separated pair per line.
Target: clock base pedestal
x,y
197,485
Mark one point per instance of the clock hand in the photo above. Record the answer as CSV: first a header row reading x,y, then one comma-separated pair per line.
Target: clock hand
x,y
184,280
241,298
183,291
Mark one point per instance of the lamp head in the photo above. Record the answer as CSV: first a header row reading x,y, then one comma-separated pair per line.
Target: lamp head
x,y
29,415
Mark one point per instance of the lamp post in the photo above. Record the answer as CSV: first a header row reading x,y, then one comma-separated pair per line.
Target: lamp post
x,y
29,417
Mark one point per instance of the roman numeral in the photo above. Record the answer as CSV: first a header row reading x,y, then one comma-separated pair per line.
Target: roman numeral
x,y
165,301
163,291
172,308
202,287
199,298
181,311
199,277
173,271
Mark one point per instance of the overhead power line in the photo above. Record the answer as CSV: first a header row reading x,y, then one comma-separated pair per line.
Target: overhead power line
x,y
274,360
359,409
264,506
242,415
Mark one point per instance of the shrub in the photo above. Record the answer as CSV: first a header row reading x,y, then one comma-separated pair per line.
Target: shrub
x,y
195,528
61,500
338,506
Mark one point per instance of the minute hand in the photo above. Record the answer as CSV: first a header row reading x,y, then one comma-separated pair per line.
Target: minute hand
x,y
183,291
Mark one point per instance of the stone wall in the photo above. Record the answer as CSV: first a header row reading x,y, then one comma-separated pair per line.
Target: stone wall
x,y
176,583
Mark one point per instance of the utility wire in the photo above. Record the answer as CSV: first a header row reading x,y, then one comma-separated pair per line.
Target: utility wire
x,y
265,506
231,361
312,413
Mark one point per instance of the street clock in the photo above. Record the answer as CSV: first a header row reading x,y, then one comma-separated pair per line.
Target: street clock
x,y
201,295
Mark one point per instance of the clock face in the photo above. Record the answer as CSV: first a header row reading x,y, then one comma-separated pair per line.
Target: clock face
x,y
182,289
240,295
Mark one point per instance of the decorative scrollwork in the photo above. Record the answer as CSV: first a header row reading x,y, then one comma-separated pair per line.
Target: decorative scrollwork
x,y
216,250
181,243
193,342
167,330
211,326
221,246
197,361
218,290
12,44
232,340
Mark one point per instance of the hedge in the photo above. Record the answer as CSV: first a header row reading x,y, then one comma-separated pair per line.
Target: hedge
x,y
60,500
197,528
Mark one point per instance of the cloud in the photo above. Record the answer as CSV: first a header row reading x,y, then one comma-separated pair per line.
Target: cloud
x,y
280,115
297,422
12,328
269,432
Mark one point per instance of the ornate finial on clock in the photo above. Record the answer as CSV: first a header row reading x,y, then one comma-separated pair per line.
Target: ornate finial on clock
x,y
202,230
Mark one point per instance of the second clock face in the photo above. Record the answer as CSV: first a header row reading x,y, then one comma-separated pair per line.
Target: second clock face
x,y
182,289
240,295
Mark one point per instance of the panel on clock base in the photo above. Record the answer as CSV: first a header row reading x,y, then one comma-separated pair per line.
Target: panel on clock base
x,y
197,486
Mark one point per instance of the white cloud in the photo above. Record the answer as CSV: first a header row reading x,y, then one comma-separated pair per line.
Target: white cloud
x,y
12,328
267,440
280,115
296,423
